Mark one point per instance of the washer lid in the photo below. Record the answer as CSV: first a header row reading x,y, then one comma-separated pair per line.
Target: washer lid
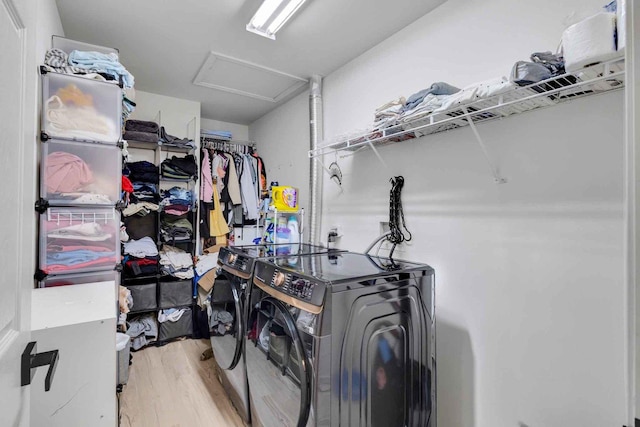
x,y
345,266
269,250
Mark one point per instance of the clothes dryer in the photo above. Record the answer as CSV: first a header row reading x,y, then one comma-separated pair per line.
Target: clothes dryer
x,y
341,339
228,311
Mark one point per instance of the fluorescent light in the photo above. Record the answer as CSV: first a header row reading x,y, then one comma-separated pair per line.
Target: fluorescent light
x,y
272,15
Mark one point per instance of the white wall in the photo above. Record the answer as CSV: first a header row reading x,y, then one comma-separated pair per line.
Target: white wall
x,y
282,137
530,284
239,132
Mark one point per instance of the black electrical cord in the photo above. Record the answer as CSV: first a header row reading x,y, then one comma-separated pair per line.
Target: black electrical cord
x,y
397,226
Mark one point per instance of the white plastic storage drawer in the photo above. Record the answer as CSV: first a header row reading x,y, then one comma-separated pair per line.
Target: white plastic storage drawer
x,y
75,173
68,46
144,297
74,240
175,294
78,279
81,109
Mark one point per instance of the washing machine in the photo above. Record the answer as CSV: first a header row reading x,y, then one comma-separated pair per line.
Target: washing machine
x,y
228,311
341,339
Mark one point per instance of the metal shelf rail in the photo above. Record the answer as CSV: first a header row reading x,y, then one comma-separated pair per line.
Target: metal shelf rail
x,y
592,80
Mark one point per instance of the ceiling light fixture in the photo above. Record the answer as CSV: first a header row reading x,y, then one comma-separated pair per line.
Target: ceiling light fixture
x,y
272,15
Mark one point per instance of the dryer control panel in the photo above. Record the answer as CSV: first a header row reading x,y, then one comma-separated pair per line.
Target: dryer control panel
x,y
235,260
289,284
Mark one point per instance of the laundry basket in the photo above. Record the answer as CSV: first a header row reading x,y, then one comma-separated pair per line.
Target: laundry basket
x,y
123,346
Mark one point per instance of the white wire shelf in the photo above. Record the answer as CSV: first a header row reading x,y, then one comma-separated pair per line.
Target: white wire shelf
x,y
592,80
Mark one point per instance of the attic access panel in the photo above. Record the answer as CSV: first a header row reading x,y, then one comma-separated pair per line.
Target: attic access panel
x,y
244,78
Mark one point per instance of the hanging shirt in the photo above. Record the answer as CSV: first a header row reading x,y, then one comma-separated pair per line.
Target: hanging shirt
x,y
206,182
248,189
234,183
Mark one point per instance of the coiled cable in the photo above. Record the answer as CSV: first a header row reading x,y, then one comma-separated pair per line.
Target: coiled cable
x,y
397,226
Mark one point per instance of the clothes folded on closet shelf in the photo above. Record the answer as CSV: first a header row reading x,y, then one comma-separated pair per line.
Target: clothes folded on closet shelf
x,y
174,141
135,266
145,192
140,209
70,119
57,61
103,62
142,171
142,126
141,130
387,114
177,210
220,322
170,314
429,104
179,167
177,196
143,330
438,88
141,226
175,228
206,263
141,248
176,262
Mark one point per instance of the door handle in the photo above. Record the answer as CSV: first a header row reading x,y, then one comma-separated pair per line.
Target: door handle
x,y
31,360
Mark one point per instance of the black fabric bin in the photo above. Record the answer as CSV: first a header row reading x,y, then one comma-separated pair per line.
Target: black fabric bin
x,y
175,294
169,330
144,297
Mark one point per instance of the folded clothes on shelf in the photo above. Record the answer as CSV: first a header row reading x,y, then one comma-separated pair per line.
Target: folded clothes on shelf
x,y
142,171
179,167
166,139
175,228
107,63
141,248
140,209
134,266
176,262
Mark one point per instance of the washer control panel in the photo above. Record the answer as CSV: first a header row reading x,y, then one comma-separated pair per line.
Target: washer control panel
x,y
290,284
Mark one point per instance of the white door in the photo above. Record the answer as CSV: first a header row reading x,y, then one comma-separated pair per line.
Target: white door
x,y
15,285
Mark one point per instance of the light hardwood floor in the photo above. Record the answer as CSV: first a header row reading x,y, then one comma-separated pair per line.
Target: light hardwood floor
x,y
170,386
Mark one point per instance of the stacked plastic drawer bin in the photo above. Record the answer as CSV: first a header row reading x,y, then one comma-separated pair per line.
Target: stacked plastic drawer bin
x,y
80,169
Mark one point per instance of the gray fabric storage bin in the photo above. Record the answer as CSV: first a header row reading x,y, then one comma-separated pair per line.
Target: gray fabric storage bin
x,y
184,326
175,294
144,297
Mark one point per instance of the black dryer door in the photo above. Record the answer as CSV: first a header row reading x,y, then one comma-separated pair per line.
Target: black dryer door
x,y
278,370
226,322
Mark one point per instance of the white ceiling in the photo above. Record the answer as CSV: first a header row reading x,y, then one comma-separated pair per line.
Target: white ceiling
x,y
165,43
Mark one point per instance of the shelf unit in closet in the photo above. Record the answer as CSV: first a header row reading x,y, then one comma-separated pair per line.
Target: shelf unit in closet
x,y
155,292
592,80
79,175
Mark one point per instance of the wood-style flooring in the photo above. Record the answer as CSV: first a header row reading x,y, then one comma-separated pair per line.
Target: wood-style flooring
x,y
170,386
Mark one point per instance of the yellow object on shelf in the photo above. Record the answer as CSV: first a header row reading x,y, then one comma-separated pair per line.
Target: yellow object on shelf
x,y
284,198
